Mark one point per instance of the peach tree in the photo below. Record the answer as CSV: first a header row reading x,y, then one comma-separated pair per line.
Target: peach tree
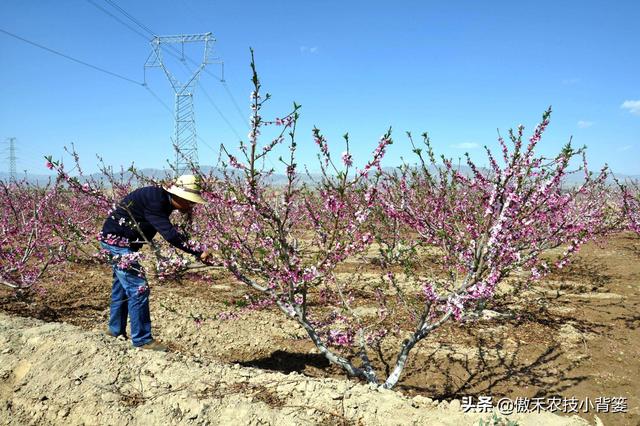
x,y
29,239
483,224
287,242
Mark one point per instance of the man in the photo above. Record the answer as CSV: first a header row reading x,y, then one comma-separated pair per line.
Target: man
x,y
140,215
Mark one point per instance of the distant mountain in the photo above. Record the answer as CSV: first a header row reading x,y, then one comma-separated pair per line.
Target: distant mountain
x,y
37,179
275,179
571,180
156,174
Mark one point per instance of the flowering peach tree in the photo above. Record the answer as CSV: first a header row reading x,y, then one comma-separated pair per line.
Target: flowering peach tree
x,y
29,239
286,241
86,200
631,204
483,224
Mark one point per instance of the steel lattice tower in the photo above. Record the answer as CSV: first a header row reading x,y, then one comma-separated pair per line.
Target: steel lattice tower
x,y
12,159
184,135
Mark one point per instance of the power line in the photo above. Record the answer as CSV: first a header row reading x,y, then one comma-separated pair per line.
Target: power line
x,y
172,49
206,144
93,66
71,58
158,98
171,112
221,80
131,18
146,86
238,109
119,76
220,112
105,11
117,19
177,54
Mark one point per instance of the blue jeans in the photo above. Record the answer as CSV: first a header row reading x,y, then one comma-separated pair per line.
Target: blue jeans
x,y
129,297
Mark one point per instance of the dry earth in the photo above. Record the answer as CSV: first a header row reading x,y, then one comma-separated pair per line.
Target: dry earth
x,y
54,373
574,335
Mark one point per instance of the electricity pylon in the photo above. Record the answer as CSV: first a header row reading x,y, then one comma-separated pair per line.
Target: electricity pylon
x,y
184,136
12,159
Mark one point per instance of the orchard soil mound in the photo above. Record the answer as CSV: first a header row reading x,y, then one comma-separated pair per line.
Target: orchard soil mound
x,y
574,335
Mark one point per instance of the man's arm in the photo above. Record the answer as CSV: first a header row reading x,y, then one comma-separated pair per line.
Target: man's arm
x,y
165,228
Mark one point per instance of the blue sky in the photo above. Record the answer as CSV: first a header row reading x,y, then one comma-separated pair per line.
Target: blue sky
x,y
459,70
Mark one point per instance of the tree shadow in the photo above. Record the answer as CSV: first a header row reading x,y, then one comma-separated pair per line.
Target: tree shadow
x,y
591,273
71,310
288,362
632,321
493,371
541,315
542,308
632,243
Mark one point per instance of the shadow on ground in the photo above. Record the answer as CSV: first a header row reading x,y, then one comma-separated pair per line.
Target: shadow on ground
x,y
493,371
287,362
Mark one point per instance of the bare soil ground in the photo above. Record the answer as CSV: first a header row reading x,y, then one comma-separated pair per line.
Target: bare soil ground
x,y
576,334
55,373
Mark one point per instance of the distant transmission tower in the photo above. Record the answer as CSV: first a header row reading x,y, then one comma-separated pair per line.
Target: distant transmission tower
x,y
12,159
184,137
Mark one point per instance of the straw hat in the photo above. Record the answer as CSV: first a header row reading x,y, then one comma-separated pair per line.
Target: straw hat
x,y
187,187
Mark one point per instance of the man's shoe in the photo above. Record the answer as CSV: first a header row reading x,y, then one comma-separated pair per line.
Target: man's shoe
x,y
110,334
154,346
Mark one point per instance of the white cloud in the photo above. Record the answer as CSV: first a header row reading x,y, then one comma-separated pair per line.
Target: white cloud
x,y
310,50
624,148
465,145
582,124
632,106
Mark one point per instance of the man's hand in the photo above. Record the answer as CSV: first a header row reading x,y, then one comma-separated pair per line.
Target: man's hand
x,y
207,257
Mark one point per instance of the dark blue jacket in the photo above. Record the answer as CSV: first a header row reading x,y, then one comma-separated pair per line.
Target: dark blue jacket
x,y
150,207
